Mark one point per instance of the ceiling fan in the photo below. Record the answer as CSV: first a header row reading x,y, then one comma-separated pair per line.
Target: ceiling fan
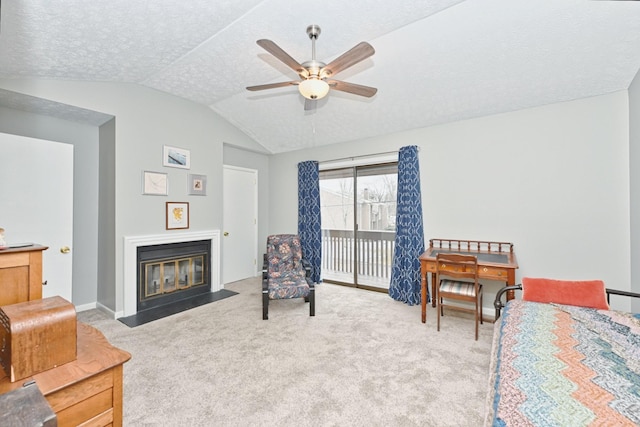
x,y
316,77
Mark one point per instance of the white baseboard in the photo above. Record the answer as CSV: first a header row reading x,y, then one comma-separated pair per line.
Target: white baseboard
x,y
85,307
106,310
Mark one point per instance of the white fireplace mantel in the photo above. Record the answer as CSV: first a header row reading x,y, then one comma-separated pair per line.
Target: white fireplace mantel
x,y
131,244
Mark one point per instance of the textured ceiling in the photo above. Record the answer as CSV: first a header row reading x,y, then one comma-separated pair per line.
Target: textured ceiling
x,y
435,62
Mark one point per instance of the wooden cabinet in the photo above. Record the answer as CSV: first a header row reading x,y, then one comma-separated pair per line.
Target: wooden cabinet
x,y
87,391
21,274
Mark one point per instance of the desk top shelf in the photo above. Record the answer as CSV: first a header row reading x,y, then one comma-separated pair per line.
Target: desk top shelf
x,y
498,254
471,245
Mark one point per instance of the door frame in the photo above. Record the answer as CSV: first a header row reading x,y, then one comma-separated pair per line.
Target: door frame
x,y
254,172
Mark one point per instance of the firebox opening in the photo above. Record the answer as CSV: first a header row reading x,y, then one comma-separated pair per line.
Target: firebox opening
x,y
172,272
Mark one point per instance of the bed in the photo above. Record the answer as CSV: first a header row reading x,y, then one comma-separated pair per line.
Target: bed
x,y
555,364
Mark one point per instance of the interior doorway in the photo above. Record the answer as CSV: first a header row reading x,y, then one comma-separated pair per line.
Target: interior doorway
x,y
240,224
37,204
358,207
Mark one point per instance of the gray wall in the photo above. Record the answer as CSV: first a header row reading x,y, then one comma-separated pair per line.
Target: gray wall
x,y
145,120
84,138
554,180
107,216
634,162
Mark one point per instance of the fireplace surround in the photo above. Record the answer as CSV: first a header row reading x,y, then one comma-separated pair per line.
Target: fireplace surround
x,y
131,245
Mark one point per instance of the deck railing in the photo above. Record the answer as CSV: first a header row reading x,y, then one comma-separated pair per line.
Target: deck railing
x,y
375,252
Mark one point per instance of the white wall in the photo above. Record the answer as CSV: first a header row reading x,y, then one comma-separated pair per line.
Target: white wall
x,y
634,161
554,180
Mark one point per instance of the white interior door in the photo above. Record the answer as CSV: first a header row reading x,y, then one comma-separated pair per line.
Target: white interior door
x,y
240,217
36,200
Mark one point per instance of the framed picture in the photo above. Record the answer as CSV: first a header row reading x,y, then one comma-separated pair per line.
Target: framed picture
x,y
154,183
177,215
197,185
176,157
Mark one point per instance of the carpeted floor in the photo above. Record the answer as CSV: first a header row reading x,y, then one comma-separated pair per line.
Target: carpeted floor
x,y
363,360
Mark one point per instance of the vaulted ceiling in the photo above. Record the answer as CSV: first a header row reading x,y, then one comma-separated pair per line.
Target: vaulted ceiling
x,y
435,62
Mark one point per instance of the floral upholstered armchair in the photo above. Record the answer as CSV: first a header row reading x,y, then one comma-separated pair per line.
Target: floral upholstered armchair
x,y
285,273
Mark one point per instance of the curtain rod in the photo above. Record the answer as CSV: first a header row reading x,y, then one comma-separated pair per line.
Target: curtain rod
x,y
359,157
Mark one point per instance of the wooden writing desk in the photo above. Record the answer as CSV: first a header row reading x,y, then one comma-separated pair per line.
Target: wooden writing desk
x,y
87,391
496,261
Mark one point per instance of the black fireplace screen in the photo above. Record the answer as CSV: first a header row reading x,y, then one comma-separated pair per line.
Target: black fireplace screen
x,y
170,272
164,276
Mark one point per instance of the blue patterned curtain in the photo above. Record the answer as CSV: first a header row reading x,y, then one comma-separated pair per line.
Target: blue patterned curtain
x,y
309,215
405,274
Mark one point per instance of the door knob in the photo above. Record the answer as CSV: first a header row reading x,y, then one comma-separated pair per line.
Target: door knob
x,y
65,249
226,233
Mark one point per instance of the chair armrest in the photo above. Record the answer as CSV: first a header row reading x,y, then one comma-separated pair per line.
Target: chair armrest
x,y
307,266
264,266
497,303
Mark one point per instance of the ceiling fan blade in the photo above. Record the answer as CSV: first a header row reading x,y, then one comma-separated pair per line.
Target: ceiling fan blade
x,y
310,104
283,56
361,90
271,86
358,53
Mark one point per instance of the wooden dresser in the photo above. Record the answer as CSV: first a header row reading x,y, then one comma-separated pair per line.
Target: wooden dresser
x,y
21,274
87,391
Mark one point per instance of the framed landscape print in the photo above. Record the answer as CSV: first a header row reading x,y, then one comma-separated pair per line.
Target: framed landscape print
x,y
176,157
177,215
197,185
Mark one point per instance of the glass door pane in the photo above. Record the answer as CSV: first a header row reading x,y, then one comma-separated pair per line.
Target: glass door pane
x,y
358,248
336,204
376,225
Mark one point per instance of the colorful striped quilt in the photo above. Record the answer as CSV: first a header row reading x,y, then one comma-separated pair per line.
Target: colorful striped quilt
x,y
560,365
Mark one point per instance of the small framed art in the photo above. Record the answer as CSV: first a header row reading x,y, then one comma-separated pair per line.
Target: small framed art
x,y
177,215
197,185
176,157
154,183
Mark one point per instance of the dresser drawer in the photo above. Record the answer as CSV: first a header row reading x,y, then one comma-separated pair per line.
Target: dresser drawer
x,y
495,273
82,390
86,409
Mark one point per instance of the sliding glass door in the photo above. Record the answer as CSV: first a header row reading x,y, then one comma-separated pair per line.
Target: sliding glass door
x,y
358,224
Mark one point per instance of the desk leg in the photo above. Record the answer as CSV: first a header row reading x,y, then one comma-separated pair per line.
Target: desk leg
x,y
433,290
423,288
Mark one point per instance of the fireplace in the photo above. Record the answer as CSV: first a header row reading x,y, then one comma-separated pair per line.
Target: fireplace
x,y
171,272
130,292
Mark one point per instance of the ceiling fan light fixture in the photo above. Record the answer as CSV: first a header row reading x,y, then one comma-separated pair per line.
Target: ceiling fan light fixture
x,y
313,88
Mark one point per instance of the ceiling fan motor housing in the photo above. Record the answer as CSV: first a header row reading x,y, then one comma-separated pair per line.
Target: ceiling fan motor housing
x,y
313,31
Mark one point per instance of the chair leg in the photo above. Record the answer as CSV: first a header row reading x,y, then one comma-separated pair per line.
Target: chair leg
x,y
481,309
312,302
265,306
438,308
476,319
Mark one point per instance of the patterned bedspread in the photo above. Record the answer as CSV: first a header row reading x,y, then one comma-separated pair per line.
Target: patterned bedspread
x,y
559,365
